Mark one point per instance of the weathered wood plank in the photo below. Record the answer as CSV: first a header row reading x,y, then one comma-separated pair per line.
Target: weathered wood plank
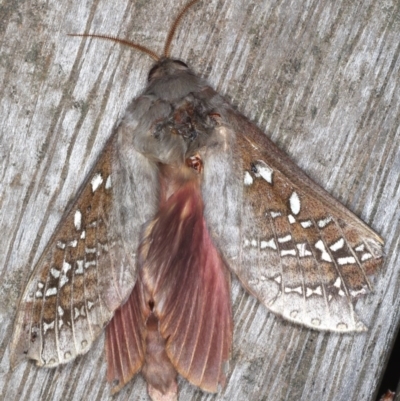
x,y
322,80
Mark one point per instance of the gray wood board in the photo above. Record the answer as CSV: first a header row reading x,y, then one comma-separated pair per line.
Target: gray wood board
x,y
321,78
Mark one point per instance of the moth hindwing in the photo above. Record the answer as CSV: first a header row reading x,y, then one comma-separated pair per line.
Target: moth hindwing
x,y
185,190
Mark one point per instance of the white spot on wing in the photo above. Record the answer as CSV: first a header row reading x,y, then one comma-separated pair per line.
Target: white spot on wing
x,y
78,220
306,223
66,267
359,248
303,251
324,222
285,238
60,315
268,244
324,254
295,204
264,171
64,279
285,252
91,263
54,272
108,182
47,326
338,283
291,219
51,291
248,179
104,247
354,293
274,215
365,257
295,289
79,312
96,181
79,269
315,291
346,261
337,245
60,244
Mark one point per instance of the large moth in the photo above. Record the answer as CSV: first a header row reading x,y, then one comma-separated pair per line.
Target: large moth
x,y
186,190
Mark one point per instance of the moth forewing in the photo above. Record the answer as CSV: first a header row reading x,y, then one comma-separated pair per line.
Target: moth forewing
x,y
298,250
85,272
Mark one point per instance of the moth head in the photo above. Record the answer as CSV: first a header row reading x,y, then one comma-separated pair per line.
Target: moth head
x,y
165,67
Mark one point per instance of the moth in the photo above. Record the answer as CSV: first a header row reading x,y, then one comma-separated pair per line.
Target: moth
x,y
185,192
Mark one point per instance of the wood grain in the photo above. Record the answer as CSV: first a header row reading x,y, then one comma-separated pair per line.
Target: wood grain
x,y
321,78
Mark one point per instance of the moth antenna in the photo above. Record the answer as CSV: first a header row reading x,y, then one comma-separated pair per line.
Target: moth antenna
x,y
172,31
125,42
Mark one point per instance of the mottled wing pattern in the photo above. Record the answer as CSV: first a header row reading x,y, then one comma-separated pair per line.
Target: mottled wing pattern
x,y
301,253
78,281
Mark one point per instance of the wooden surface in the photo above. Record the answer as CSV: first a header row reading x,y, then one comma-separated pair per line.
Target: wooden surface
x,y
321,78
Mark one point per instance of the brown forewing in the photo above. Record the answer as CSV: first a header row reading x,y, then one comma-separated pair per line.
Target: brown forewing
x,y
72,292
303,254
